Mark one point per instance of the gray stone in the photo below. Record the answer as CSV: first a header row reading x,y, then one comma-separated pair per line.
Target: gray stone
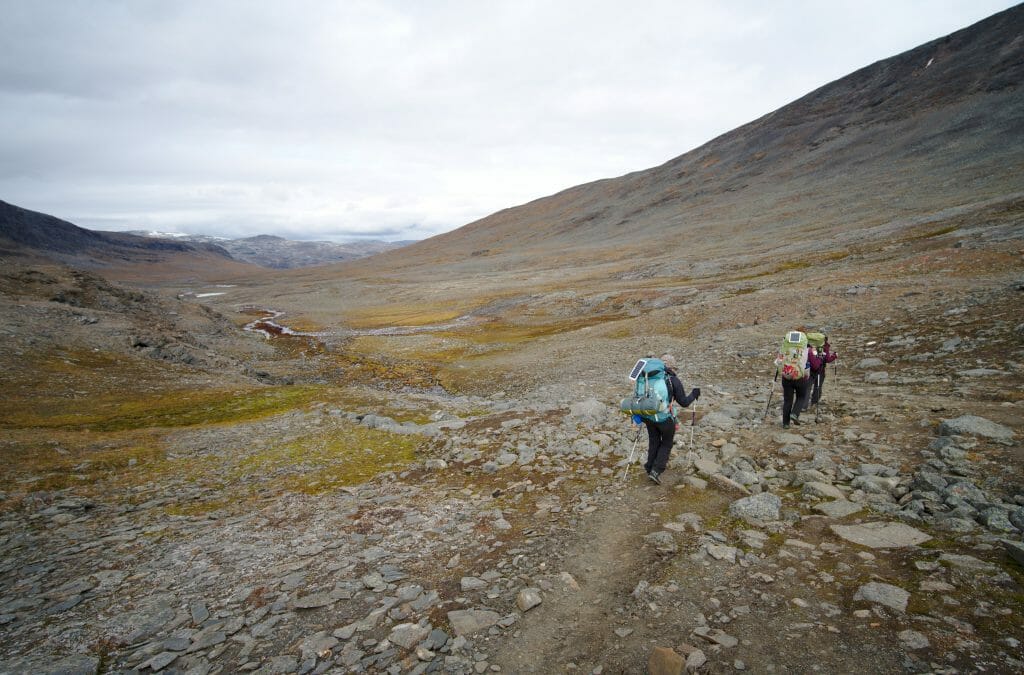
x,y
783,438
716,635
374,581
997,520
205,640
717,420
757,508
317,644
527,599
865,364
346,632
408,635
877,376
472,584
911,639
967,562
160,661
728,484
706,467
470,621
722,552
315,600
883,594
816,490
696,660
876,470
972,425
1016,551
839,508
879,485
696,483
928,481
966,490
1017,518
881,534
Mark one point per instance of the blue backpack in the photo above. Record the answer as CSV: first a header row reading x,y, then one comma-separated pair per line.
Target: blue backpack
x,y
652,392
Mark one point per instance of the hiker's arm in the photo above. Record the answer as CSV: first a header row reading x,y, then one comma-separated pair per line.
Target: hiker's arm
x,y
677,393
830,355
814,360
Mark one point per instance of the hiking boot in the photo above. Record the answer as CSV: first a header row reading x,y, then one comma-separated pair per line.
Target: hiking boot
x,y
796,420
654,476
785,426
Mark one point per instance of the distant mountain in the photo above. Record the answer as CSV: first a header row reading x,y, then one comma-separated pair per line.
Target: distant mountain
x,y
278,253
29,232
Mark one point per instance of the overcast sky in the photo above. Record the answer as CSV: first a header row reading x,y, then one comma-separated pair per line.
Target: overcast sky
x,y
393,119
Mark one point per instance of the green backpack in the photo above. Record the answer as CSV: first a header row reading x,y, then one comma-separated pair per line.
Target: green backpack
x,y
792,359
816,340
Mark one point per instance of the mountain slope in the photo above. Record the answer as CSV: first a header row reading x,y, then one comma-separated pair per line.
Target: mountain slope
x,y
938,127
22,229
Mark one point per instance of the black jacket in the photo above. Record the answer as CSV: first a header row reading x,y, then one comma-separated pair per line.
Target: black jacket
x,y
676,390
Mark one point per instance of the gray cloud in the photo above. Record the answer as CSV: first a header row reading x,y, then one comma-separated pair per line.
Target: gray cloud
x,y
394,119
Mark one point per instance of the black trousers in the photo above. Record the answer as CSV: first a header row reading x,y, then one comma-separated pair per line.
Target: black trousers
x,y
817,385
794,389
660,436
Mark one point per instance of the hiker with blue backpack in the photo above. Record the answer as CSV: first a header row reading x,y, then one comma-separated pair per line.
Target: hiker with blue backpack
x,y
657,388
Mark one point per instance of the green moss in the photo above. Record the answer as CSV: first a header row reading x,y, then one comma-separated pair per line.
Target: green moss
x,y
115,412
316,464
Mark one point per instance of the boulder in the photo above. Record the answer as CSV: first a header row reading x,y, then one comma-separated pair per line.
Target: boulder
x,y
408,635
757,508
818,490
972,425
470,621
881,534
527,599
888,595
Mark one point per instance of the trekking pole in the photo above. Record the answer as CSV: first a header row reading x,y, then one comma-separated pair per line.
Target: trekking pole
x,y
771,392
629,462
693,422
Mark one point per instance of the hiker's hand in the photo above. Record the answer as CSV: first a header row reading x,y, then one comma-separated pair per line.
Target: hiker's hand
x,y
695,393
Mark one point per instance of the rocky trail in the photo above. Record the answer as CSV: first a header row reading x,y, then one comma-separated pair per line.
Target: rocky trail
x,y
512,545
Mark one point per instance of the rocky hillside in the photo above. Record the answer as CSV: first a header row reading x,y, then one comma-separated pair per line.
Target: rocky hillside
x,y
897,143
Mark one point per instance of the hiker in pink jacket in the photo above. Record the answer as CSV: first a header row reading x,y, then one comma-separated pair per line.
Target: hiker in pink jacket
x,y
818,362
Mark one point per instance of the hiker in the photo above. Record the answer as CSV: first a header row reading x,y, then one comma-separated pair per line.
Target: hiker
x,y
661,434
792,363
818,361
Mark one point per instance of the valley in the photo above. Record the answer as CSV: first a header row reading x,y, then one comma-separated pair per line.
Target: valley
x,y
414,462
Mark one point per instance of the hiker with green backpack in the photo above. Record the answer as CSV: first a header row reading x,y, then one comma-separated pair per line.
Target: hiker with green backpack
x,y
792,363
656,389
